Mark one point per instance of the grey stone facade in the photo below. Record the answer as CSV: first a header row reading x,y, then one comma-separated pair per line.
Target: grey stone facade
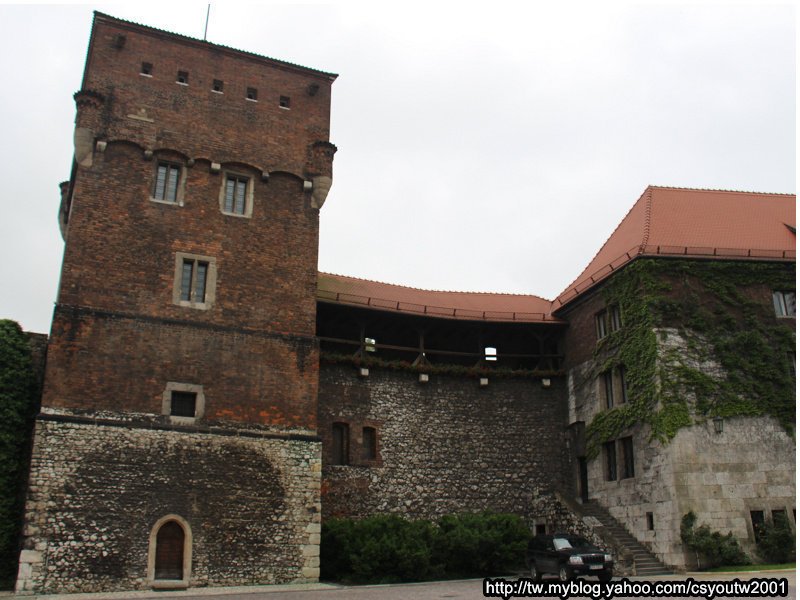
x,y
251,502
446,446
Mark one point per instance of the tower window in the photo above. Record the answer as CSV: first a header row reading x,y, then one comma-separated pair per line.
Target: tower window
x,y
600,324
167,182
252,94
182,78
627,457
236,197
183,404
284,102
615,318
195,280
784,303
490,353
610,452
147,69
217,86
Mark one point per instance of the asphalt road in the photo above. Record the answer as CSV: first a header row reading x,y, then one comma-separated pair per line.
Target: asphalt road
x,y
471,589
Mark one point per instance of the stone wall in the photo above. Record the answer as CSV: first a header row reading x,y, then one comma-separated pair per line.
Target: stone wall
x,y
96,491
446,446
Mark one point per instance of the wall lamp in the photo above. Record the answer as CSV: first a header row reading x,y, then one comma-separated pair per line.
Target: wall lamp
x,y
719,423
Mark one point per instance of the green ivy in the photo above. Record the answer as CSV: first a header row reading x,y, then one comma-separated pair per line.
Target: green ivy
x,y
715,309
18,391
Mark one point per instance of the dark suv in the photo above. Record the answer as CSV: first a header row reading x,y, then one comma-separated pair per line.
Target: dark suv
x,y
567,556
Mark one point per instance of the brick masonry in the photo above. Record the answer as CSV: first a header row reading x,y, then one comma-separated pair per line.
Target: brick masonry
x,y
447,446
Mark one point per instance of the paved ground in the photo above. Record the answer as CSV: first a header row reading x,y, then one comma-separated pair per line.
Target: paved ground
x,y
471,589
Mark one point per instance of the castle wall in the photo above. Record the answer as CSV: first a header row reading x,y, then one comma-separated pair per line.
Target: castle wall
x,y
96,492
446,446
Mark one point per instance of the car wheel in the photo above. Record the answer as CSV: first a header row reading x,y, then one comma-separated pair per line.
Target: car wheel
x,y
536,574
564,574
604,577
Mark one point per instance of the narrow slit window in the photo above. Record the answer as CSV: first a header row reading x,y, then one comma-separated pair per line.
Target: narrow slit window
x,y
615,318
650,522
369,448
623,385
627,457
341,444
608,388
610,452
600,324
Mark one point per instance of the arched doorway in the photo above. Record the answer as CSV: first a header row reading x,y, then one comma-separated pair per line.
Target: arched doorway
x,y
169,551
169,558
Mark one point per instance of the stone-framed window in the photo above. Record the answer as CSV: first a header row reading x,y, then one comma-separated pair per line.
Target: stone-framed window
x,y
236,195
184,403
169,554
610,459
651,525
626,451
600,325
194,284
784,303
340,454
757,521
623,385
169,183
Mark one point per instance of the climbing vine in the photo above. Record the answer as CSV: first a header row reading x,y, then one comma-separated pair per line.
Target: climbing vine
x,y
699,340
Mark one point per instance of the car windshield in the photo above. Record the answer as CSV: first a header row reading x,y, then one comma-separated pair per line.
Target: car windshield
x,y
563,543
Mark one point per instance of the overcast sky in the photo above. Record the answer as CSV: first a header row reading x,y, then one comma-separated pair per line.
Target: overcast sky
x,y
481,148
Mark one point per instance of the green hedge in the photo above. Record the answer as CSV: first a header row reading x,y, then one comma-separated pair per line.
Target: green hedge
x,y
719,550
776,540
388,548
18,390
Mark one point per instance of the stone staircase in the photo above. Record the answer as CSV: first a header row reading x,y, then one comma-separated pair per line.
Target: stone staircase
x,y
644,563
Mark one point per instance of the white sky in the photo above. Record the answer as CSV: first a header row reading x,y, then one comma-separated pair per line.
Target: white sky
x,y
481,147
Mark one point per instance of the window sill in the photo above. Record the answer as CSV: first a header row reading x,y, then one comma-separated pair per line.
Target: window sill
x,y
146,75
246,215
197,305
167,202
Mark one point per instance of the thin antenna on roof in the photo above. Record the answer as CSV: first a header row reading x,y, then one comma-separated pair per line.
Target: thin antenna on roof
x,y
205,32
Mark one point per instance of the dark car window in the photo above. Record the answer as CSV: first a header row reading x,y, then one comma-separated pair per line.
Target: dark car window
x,y
566,542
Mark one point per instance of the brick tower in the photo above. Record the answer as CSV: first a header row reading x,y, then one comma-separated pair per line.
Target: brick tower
x,y
177,442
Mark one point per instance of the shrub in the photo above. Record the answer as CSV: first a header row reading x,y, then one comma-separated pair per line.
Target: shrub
x,y
776,540
388,548
717,549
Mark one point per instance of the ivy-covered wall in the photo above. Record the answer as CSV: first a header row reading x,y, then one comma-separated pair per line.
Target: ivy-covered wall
x,y
699,339
19,392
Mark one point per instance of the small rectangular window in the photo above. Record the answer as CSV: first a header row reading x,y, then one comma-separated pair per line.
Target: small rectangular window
x,y
370,345
600,324
147,68
341,444
183,404
650,522
182,78
284,102
610,453
784,303
193,280
626,444
369,448
615,318
490,353
235,194
608,388
167,179
217,85
252,94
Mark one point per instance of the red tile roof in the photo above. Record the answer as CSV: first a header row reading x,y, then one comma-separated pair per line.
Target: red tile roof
x,y
475,306
697,223
663,222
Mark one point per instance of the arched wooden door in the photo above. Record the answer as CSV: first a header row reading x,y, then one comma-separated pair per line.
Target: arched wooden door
x,y
169,551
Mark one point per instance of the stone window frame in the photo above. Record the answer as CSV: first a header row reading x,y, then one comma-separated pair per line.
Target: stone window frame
x,y
211,281
343,451
199,406
378,460
610,470
180,192
614,318
607,388
188,540
248,195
